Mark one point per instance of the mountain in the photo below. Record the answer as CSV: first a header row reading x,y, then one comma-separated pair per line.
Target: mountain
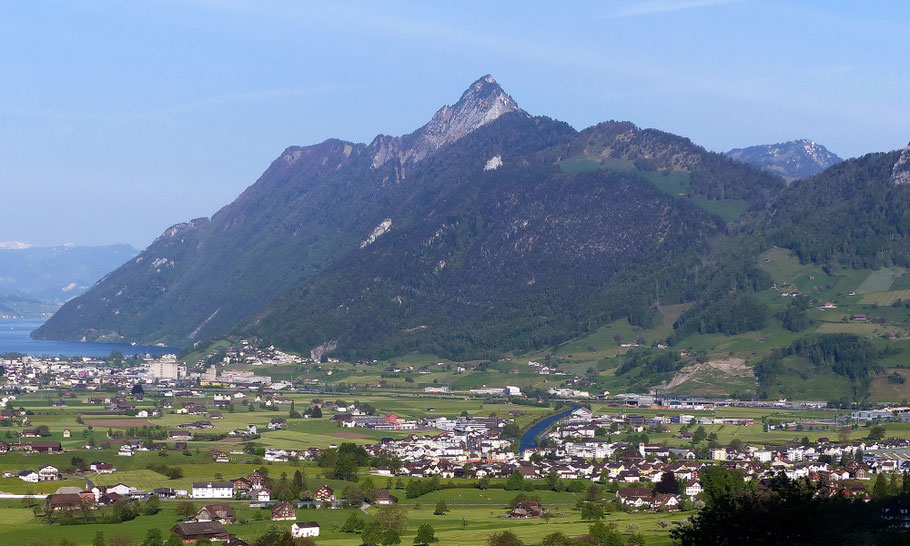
x,y
16,304
485,230
40,279
854,213
791,160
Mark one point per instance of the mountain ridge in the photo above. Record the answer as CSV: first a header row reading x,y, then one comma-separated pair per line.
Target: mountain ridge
x,y
432,249
793,159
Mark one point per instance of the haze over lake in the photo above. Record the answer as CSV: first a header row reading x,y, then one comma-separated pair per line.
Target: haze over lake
x,y
14,338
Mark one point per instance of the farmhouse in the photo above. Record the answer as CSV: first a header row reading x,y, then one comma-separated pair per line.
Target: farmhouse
x,y
324,494
303,529
193,531
216,512
213,490
48,473
284,512
44,447
381,497
65,501
634,496
527,509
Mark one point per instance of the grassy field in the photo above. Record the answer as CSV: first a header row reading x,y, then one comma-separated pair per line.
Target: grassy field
x,y
885,298
482,510
880,280
18,525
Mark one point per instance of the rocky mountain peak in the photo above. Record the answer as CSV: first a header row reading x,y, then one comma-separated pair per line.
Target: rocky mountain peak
x,y
794,159
900,173
482,102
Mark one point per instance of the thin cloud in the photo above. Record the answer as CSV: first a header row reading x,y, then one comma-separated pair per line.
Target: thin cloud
x,y
655,7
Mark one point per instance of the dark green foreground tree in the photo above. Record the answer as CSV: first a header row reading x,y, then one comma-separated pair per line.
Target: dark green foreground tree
x,y
789,512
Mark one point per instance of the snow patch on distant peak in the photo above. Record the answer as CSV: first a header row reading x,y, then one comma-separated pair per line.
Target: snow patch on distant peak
x,y
494,163
377,232
14,245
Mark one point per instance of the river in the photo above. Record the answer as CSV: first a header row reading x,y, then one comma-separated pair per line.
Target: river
x,y
529,438
14,338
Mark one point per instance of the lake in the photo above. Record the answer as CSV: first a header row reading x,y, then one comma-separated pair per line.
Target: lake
x,y
14,338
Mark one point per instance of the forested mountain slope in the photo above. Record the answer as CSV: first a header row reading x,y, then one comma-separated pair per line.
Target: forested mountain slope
x,y
857,213
484,231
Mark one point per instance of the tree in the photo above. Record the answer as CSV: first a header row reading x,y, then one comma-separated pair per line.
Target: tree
x,y
122,540
515,482
605,535
372,532
392,517
843,434
504,538
699,435
137,389
556,539
186,509
99,539
275,536
877,432
152,506
390,537
352,524
592,511
426,535
510,430
778,515
441,508
881,489
553,481
718,482
153,538
668,484
174,540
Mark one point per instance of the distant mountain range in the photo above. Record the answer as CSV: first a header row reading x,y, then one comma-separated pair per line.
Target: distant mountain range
x,y
35,280
791,160
490,230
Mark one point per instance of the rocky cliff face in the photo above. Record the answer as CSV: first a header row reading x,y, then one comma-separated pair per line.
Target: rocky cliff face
x,y
484,101
900,173
792,160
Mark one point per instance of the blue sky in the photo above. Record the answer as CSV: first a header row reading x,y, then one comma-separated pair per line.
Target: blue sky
x,y
119,119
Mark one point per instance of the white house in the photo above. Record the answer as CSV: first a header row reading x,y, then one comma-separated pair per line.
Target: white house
x,y
693,488
48,473
762,455
305,529
213,490
29,476
120,489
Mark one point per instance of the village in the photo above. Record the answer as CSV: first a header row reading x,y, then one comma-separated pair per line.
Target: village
x,y
84,438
